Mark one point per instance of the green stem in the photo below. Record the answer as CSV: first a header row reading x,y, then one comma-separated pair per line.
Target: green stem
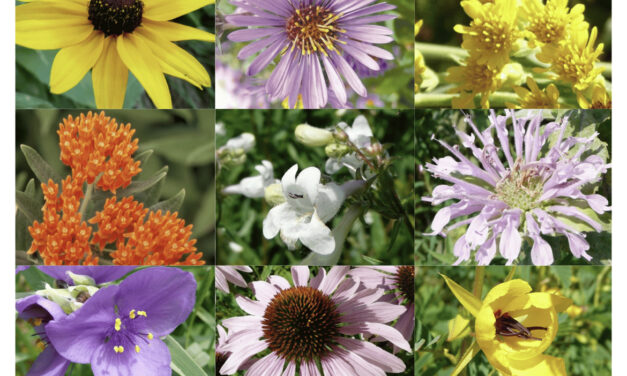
x,y
427,100
597,291
477,286
88,194
340,232
432,51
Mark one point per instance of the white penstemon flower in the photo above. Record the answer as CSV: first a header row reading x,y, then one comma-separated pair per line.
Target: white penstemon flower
x,y
308,205
360,135
254,186
244,143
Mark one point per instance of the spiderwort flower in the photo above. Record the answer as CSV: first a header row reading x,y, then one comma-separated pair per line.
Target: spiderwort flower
x,y
306,33
536,190
308,205
118,329
226,274
514,326
310,322
39,312
254,186
111,38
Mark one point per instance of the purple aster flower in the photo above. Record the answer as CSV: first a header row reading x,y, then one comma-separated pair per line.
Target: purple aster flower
x,y
226,274
314,322
398,284
521,188
365,72
118,329
40,311
313,38
100,274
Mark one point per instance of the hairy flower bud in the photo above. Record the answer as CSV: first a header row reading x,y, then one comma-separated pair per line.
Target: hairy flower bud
x,y
274,194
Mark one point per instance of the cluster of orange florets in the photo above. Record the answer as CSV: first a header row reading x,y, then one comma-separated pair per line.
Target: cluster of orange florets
x,y
100,152
97,147
62,238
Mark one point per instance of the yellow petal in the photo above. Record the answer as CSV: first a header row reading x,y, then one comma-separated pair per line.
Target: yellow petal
x,y
468,355
70,11
164,10
540,365
72,63
176,32
512,289
109,77
174,60
46,35
467,299
458,327
140,60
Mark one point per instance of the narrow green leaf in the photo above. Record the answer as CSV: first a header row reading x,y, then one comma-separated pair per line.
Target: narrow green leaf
x,y
144,156
182,363
466,358
38,164
28,205
172,204
143,185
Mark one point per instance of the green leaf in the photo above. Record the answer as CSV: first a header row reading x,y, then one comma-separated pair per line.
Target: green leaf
x,y
23,100
28,205
466,358
143,185
182,362
172,204
38,164
144,156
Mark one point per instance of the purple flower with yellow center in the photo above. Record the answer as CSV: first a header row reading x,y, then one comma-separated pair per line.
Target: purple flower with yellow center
x,y
40,311
536,184
118,329
313,38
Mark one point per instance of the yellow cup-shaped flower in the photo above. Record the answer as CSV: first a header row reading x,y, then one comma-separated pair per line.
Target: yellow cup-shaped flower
x,y
514,326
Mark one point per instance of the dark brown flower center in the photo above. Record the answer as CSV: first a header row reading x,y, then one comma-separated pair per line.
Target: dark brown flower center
x,y
405,281
115,17
300,323
313,29
507,326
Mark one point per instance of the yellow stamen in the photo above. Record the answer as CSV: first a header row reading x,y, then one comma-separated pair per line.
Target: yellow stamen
x,y
118,324
118,349
142,313
150,336
132,314
137,348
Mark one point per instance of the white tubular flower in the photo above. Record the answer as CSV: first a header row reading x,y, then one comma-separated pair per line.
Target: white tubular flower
x,y
244,143
308,205
360,135
254,186
313,136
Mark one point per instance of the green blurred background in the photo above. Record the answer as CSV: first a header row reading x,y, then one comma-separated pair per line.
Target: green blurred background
x,y
195,338
584,340
435,250
33,74
240,219
182,140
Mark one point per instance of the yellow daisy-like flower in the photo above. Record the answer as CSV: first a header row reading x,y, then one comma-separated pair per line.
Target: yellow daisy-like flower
x,y
536,97
551,23
574,59
601,98
111,37
472,79
493,31
514,326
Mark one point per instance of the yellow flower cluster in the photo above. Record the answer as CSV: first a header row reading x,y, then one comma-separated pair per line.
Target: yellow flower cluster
x,y
560,38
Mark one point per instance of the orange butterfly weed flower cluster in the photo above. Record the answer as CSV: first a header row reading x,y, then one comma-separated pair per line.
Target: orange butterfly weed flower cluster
x,y
99,152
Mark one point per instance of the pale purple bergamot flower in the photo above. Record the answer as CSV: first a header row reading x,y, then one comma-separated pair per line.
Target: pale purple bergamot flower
x,y
317,322
529,182
313,39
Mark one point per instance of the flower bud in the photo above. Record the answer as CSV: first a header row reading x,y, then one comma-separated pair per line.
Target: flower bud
x,y
62,297
340,135
336,150
374,149
81,279
274,194
313,136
